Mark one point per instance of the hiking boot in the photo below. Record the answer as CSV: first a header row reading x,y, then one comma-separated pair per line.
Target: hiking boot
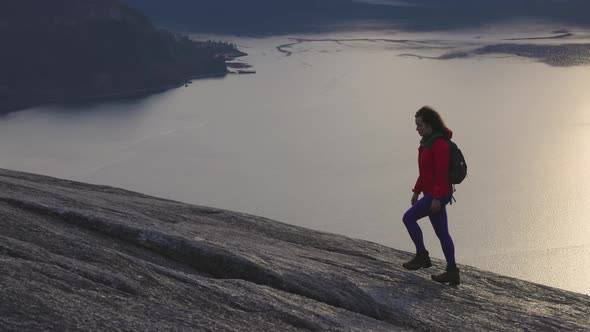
x,y
420,260
451,276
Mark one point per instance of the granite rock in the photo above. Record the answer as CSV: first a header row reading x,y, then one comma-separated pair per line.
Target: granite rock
x,y
84,257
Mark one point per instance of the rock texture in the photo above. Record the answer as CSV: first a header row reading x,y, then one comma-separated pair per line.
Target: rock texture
x,y
83,257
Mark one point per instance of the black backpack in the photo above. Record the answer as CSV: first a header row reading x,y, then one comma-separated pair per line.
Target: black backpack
x,y
457,167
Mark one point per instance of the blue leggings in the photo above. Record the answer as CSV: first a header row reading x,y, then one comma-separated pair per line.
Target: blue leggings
x,y
439,222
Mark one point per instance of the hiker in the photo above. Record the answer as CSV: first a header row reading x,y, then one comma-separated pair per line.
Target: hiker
x,y
434,183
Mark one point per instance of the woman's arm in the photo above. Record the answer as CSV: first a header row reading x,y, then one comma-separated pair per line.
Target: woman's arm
x,y
442,156
418,186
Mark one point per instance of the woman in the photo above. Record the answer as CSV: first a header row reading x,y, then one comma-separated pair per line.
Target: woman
x,y
434,183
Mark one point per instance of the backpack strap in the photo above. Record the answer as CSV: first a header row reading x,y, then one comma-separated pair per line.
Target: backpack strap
x,y
451,143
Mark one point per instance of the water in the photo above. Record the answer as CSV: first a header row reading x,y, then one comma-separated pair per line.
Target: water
x,y
325,138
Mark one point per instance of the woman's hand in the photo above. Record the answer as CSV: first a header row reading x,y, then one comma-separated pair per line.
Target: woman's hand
x,y
435,206
414,198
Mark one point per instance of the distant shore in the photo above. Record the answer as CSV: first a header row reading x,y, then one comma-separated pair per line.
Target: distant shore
x,y
16,104
69,100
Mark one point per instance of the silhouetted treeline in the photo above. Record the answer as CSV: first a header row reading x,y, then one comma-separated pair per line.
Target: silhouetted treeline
x,y
288,16
252,16
61,50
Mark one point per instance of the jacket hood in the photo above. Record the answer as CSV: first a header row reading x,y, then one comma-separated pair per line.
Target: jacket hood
x,y
427,142
449,133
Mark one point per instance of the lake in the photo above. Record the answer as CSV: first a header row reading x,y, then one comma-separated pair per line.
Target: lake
x,y
323,136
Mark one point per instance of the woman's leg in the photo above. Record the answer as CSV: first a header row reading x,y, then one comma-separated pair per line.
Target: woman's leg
x,y
441,228
411,217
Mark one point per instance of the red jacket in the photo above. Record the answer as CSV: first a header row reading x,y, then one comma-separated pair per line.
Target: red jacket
x,y
433,163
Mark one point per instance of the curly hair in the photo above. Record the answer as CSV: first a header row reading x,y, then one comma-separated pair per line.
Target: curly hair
x,y
431,117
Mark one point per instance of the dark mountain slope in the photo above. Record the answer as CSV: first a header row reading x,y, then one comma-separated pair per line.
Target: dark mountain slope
x,y
64,50
293,16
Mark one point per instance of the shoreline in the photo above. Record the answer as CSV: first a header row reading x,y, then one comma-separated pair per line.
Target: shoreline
x,y
16,106
105,97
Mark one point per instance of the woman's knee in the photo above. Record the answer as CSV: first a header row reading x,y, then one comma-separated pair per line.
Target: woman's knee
x,y
408,218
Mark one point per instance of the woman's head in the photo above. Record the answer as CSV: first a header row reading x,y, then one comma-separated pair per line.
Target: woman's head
x,y
428,121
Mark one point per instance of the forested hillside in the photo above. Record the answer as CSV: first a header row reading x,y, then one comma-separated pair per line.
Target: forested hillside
x,y
61,50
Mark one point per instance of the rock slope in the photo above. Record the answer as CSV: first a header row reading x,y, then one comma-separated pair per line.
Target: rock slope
x,y
84,257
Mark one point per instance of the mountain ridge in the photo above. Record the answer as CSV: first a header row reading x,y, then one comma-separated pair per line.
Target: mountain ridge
x,y
262,17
